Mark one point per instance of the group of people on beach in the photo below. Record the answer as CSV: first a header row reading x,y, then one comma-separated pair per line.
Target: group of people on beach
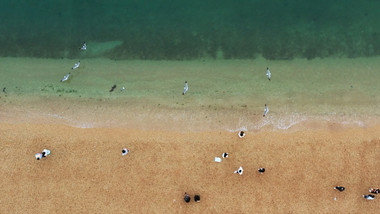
x,y
367,196
43,154
240,171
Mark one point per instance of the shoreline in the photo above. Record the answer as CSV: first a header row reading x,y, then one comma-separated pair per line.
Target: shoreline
x,y
223,94
150,116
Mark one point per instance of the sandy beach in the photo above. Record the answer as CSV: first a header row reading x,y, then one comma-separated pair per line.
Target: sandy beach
x,y
320,132
86,172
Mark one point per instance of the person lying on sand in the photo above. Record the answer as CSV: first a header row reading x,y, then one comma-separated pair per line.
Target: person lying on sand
x,y
197,198
369,197
124,151
38,156
340,188
240,171
374,191
45,153
261,170
185,88
187,198
241,134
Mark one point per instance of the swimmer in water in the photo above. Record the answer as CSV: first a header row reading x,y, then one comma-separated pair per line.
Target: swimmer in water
x,y
66,77
266,110
84,46
76,65
268,73
185,88
113,88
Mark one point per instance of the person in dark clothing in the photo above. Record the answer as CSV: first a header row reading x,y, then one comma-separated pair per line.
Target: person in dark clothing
x,y
261,170
187,198
374,191
369,197
197,198
340,188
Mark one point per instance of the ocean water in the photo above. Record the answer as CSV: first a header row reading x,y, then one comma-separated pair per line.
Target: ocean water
x,y
323,57
181,29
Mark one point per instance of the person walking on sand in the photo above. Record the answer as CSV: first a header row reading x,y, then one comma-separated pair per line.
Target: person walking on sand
x,y
76,65
239,171
124,151
185,89
266,110
261,170
268,74
339,188
369,197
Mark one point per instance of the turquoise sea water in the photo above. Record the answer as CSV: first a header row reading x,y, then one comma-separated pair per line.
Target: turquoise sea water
x,y
179,29
323,56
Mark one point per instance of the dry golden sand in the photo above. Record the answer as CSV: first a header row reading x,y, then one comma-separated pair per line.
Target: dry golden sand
x,y
86,172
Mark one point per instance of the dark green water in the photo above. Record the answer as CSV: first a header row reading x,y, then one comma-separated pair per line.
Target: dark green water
x,y
177,29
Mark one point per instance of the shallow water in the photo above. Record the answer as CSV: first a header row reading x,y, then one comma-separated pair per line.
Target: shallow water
x,y
223,94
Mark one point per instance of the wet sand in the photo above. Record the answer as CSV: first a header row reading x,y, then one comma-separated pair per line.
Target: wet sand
x,y
86,172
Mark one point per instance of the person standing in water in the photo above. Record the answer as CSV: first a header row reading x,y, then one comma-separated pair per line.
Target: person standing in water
x,y
76,65
268,74
266,110
185,88
84,46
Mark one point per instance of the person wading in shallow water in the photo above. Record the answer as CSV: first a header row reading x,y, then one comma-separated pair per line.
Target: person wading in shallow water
x,y
185,89
266,110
